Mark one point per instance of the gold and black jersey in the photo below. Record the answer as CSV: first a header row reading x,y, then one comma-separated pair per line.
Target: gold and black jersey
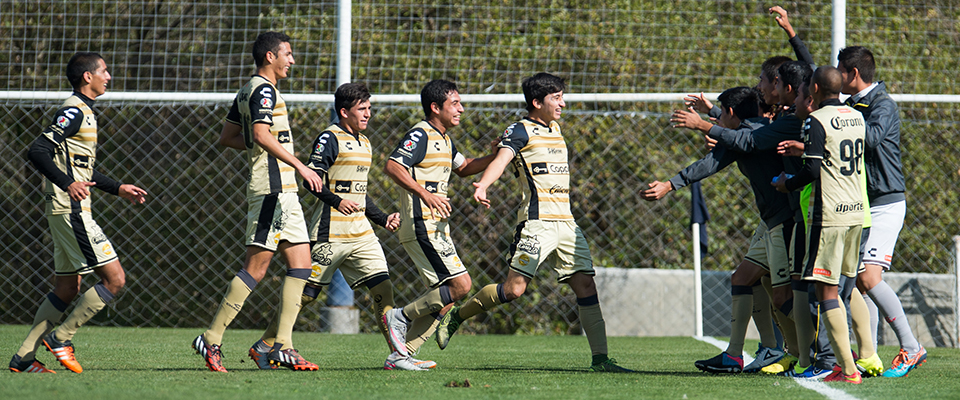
x,y
345,160
74,133
540,158
429,157
259,102
835,134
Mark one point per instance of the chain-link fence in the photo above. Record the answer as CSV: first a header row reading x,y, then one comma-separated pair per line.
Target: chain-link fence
x,y
181,248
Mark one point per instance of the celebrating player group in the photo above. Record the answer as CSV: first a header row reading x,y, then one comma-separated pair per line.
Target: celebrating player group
x,y
822,172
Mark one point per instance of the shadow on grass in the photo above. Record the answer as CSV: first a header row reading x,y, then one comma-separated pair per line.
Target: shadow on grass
x,y
577,371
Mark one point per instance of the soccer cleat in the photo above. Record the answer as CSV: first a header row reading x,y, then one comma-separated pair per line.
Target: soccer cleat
x,y
396,330
871,366
404,363
609,365
425,364
811,372
764,357
289,358
904,363
63,352
447,327
785,364
838,376
722,363
211,354
35,367
260,357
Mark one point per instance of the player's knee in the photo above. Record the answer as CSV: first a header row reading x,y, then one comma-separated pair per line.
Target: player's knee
x,y
460,287
583,285
513,292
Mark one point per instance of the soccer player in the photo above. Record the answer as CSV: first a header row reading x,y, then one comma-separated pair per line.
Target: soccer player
x,y
885,191
340,234
258,122
546,231
833,163
869,362
421,165
740,110
65,153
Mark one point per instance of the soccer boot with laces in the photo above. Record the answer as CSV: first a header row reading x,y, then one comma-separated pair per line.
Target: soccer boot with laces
x,y
210,352
396,325
63,352
785,364
904,363
721,364
404,363
448,326
838,376
764,357
608,365
33,367
811,372
871,366
260,357
290,358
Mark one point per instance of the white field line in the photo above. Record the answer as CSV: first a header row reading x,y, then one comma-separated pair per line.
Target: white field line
x,y
815,385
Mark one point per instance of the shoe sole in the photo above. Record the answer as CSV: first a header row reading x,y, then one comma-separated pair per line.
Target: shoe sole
x,y
713,370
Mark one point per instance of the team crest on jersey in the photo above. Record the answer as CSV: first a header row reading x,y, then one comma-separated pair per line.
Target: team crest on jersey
x,y
99,238
266,103
322,254
507,132
447,250
319,148
529,245
63,121
280,222
409,145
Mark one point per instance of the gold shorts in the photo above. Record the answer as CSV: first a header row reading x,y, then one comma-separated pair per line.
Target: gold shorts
x,y
358,261
561,243
768,249
274,218
435,257
832,251
79,245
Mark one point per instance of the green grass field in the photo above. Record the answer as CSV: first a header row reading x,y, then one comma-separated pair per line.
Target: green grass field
x,y
148,363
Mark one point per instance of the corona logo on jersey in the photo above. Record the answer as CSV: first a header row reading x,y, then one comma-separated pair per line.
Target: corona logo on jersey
x,y
360,187
839,122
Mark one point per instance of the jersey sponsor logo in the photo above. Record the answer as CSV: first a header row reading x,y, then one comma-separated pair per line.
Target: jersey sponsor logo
x,y
266,103
409,145
99,238
523,260
362,168
557,189
529,245
839,122
81,161
360,187
509,131
343,186
436,145
348,145
62,121
844,208
539,168
431,186
322,254
284,137
446,170
821,272
266,92
107,249
554,151
562,169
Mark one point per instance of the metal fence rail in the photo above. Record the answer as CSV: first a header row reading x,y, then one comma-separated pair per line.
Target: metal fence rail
x,y
181,248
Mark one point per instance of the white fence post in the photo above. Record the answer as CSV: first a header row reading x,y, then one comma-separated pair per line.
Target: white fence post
x,y
838,30
956,290
697,289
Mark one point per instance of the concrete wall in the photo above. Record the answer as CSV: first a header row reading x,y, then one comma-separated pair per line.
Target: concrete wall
x,y
653,302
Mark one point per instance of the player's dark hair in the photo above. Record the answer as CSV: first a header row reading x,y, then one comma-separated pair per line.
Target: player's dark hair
x,y
858,57
437,91
537,87
742,100
769,67
267,42
794,73
349,95
828,81
79,64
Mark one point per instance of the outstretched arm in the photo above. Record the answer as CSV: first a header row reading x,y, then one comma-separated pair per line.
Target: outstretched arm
x,y
799,48
491,174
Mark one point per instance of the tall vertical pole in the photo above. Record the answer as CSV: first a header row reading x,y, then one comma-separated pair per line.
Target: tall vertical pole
x,y
697,286
343,41
956,288
838,29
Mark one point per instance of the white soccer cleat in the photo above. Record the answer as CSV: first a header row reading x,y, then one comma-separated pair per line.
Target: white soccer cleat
x,y
396,330
405,363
